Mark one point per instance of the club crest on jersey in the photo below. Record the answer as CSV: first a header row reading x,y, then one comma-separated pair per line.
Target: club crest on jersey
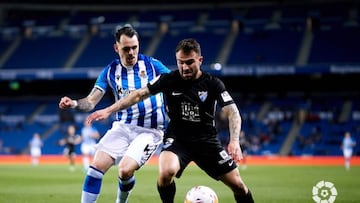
x,y
142,74
203,95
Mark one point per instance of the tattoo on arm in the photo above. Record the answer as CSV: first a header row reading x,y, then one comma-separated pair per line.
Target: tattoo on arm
x,y
88,103
84,105
234,117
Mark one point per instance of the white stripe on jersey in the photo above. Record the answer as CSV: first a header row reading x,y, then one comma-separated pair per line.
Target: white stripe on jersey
x,y
147,102
119,84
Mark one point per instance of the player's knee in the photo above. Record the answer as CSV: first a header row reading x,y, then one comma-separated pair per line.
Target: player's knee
x,y
168,170
125,172
166,174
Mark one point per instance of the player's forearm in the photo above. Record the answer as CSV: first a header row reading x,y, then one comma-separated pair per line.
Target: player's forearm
x,y
88,103
234,122
126,102
84,105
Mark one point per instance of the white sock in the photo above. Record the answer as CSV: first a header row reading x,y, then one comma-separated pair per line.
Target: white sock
x,y
86,162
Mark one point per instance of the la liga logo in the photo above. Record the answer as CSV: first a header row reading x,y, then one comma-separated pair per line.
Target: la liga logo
x,y
324,192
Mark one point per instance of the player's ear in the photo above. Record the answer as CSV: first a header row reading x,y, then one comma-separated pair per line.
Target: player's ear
x,y
201,58
116,48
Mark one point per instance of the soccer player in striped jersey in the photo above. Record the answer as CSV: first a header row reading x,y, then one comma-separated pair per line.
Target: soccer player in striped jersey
x,y
89,137
138,130
347,146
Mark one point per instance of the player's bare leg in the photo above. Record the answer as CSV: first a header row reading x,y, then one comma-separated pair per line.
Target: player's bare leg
x,y
168,167
241,192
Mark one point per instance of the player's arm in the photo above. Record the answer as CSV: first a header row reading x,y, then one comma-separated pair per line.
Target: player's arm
x,y
85,104
232,113
124,103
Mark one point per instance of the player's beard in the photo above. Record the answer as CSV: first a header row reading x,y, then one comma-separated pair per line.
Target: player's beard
x,y
130,60
188,74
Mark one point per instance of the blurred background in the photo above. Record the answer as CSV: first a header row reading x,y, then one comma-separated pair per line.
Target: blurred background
x,y
293,67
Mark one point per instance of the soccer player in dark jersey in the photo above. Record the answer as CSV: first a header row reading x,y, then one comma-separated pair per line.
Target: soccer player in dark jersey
x,y
70,141
191,97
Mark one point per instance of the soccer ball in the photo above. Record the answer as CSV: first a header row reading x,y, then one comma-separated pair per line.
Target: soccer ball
x,y
201,194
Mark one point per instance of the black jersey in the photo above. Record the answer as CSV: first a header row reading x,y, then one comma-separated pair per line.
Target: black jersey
x,y
191,104
71,142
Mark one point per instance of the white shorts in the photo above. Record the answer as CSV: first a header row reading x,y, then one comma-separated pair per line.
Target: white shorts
x,y
136,142
35,152
347,153
88,149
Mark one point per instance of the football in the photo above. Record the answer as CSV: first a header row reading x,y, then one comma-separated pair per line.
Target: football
x,y
201,194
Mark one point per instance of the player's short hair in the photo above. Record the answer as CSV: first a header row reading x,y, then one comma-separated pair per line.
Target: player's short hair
x,y
188,45
127,30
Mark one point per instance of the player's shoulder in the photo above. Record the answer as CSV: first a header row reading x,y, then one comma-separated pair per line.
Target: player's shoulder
x,y
112,65
143,57
211,78
172,75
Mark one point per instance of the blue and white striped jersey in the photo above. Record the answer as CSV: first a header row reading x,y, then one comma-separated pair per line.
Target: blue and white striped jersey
x,y
87,133
121,80
348,143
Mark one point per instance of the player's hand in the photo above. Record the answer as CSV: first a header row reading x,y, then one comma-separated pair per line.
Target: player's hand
x,y
66,102
62,142
235,151
98,115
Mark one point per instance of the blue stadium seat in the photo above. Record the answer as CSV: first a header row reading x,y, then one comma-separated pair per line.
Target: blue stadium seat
x,y
336,45
42,52
266,47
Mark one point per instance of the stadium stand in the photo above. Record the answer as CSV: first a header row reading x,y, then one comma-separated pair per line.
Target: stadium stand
x,y
295,118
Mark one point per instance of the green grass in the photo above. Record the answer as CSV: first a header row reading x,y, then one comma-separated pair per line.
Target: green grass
x,y
269,184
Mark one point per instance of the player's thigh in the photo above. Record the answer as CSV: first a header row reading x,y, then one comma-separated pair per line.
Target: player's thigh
x,y
115,142
142,147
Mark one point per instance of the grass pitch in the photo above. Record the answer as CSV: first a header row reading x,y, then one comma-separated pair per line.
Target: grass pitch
x,y
269,184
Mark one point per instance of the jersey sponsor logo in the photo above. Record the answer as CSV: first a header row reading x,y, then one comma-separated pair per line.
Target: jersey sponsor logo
x,y
226,96
190,112
203,95
123,92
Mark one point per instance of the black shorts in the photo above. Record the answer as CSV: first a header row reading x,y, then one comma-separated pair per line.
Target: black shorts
x,y
70,149
209,155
